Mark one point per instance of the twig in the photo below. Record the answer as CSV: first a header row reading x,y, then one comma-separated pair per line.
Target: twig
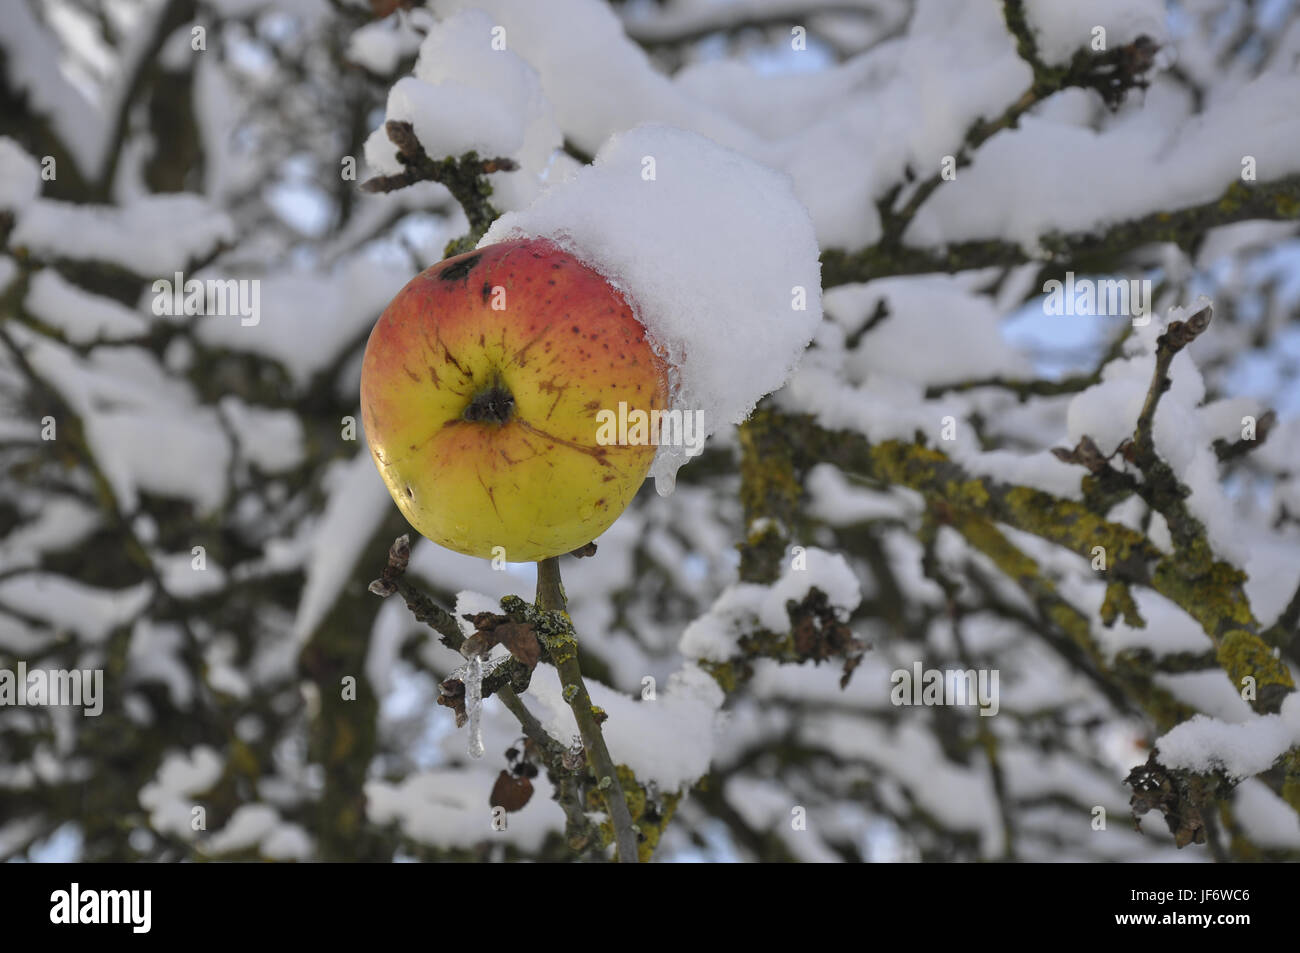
x,y
1161,489
579,831
512,677
464,177
550,596
1094,249
393,579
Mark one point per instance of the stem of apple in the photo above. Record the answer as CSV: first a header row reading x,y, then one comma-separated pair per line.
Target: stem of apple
x,y
550,595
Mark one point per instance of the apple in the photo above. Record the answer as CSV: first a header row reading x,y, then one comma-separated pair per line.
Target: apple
x,y
481,387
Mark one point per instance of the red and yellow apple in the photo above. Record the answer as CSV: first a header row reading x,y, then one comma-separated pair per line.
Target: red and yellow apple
x,y
480,393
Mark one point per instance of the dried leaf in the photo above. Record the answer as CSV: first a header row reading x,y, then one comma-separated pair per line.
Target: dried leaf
x,y
511,792
494,629
1156,789
452,695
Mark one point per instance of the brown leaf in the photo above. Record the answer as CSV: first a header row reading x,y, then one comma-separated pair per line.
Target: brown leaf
x,y
511,792
452,695
519,638
521,642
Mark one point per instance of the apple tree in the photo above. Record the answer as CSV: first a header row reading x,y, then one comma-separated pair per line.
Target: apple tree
x,y
984,546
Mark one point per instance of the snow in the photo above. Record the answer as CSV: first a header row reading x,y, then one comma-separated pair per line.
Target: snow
x,y
380,45
715,635
449,119
469,602
927,308
307,317
170,797
1208,692
357,504
1145,159
20,176
1203,744
246,827
959,797
841,141
1061,27
90,612
32,59
155,655
269,439
714,253
1264,817
767,807
129,407
448,808
81,316
287,842
153,236
467,96
827,571
126,444
744,607
59,525
669,741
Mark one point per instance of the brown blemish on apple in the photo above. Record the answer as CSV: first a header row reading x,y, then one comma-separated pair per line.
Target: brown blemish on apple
x,y
459,270
452,359
550,387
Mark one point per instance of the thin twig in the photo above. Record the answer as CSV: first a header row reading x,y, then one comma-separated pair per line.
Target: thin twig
x,y
550,596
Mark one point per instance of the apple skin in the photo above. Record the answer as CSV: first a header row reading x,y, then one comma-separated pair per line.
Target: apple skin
x,y
483,421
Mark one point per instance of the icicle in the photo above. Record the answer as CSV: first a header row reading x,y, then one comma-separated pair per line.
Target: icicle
x,y
474,704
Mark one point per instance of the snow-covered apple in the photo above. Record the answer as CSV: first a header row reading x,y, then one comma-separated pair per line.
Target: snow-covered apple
x,y
481,387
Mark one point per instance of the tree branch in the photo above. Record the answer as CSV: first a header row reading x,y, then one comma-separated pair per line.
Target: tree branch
x,y
464,176
563,649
